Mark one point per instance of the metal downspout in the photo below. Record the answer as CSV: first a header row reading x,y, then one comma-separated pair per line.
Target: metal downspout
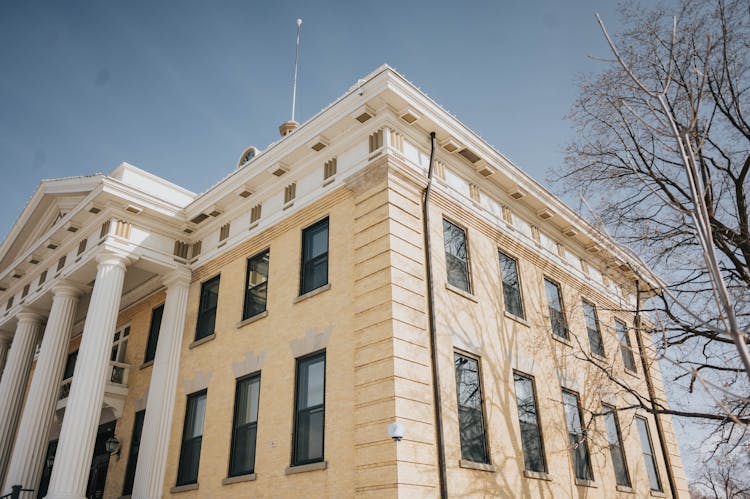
x,y
442,475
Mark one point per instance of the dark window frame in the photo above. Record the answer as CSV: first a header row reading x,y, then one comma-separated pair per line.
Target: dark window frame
x,y
610,409
581,440
70,362
305,265
467,262
651,454
597,322
564,316
188,480
295,461
626,348
500,254
249,290
485,440
232,472
545,468
153,335
133,452
200,320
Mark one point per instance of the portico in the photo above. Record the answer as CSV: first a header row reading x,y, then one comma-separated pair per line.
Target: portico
x,y
73,282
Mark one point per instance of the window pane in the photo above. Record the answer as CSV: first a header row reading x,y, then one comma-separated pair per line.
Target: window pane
x,y
627,352
70,365
592,326
314,271
531,435
511,285
207,309
470,414
192,437
245,426
615,446
456,256
648,454
555,307
310,410
153,333
257,285
577,439
135,444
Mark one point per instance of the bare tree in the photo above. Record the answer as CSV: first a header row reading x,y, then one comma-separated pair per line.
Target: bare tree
x,y
724,478
664,153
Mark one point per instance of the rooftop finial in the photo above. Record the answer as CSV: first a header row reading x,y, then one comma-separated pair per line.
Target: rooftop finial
x,y
291,125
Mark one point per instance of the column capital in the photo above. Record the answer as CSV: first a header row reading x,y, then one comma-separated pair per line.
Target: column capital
x,y
29,315
179,276
68,288
115,258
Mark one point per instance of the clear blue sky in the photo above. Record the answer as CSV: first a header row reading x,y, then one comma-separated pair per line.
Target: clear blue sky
x,y
179,88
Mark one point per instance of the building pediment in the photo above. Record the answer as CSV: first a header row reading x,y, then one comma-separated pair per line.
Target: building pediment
x,y
46,209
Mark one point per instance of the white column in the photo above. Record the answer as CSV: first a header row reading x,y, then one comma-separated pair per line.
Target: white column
x,y
157,425
15,377
27,461
4,346
78,434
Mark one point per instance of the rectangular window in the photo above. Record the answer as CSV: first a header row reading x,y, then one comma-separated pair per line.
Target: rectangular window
x,y
556,309
207,308
628,359
592,326
135,444
649,459
614,438
314,272
256,285
531,432
470,410
70,365
192,437
456,256
577,436
309,410
153,333
245,426
511,285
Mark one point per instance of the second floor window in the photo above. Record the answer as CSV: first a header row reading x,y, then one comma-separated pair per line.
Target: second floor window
x,y
592,327
309,410
616,451
577,437
192,438
207,308
627,351
649,459
511,285
528,417
256,287
245,426
314,271
470,411
555,308
456,256
153,333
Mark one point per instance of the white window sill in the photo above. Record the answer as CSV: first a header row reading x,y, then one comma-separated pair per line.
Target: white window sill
x,y
586,483
252,319
658,493
519,320
538,475
312,293
461,292
238,479
304,468
624,488
463,463
183,488
203,340
631,372
562,340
